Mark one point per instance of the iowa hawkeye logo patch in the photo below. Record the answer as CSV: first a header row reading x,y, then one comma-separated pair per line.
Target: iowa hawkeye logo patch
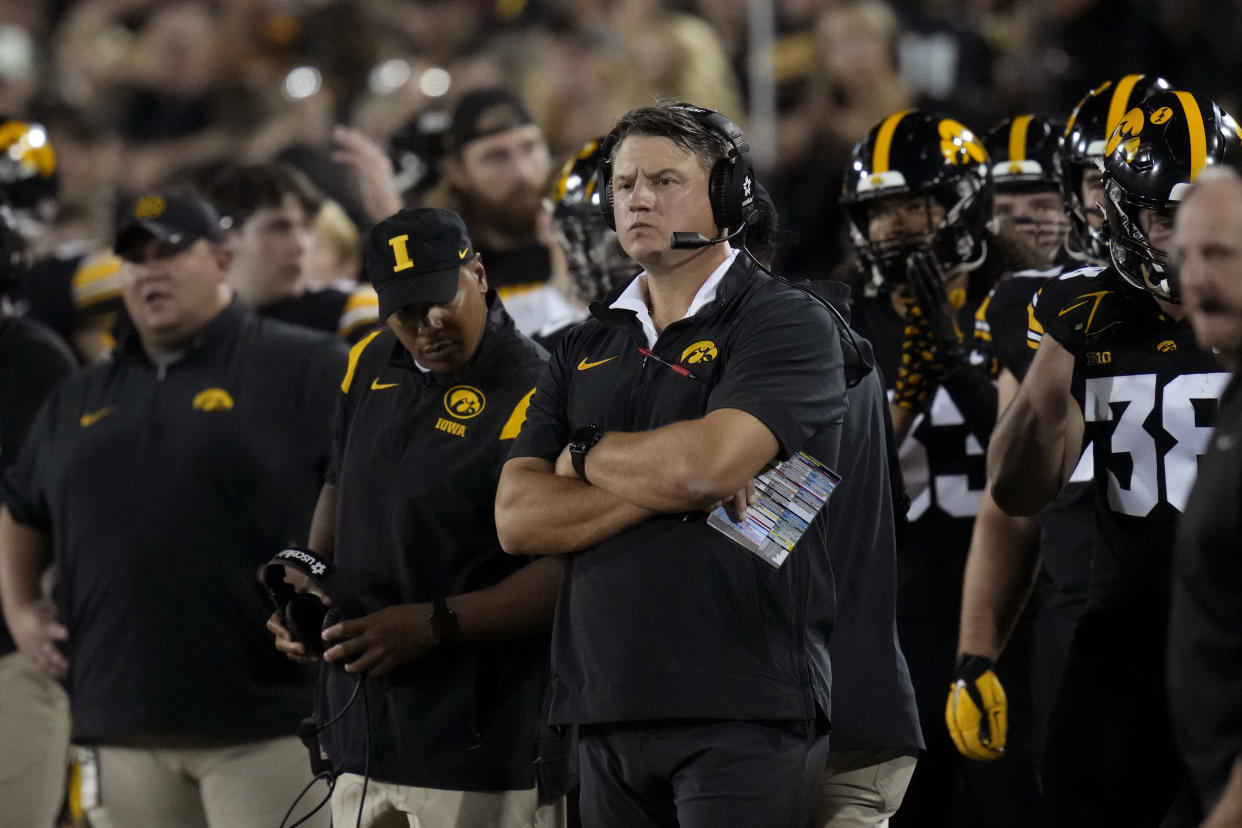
x,y
463,402
213,399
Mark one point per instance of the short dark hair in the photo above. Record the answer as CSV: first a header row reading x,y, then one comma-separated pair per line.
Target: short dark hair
x,y
241,189
675,121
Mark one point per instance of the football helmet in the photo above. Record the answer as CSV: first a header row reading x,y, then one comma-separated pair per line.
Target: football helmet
x,y
920,153
1025,154
1025,151
28,174
1156,151
1082,147
596,261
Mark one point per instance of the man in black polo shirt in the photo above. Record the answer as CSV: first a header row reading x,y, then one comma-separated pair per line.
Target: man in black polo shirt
x,y
158,482
683,654
1205,617
453,642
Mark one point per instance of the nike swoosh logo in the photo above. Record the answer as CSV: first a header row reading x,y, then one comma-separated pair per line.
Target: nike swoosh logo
x,y
376,385
462,253
584,365
88,420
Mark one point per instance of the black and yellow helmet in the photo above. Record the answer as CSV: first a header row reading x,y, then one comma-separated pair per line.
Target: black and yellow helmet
x,y
1025,153
1156,151
596,261
915,152
28,170
1082,147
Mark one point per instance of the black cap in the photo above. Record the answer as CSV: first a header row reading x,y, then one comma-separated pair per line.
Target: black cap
x,y
178,218
484,112
414,256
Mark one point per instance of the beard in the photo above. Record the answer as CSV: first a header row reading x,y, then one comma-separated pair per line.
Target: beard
x,y
513,215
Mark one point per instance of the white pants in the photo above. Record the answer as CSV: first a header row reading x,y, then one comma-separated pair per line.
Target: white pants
x,y
250,785
863,788
389,805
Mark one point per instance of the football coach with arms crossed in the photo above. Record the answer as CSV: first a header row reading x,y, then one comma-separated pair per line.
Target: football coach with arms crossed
x,y
680,654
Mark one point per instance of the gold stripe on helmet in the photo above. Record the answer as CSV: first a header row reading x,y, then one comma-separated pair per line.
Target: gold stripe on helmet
x,y
561,188
1120,104
884,141
1194,127
1017,137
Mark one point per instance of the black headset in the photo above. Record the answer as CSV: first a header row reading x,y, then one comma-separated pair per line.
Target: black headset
x,y
731,185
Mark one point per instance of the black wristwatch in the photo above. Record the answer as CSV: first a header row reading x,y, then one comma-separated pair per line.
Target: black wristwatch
x,y
444,627
582,441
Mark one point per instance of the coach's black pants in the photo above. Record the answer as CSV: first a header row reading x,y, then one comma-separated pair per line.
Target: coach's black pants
x,y
700,774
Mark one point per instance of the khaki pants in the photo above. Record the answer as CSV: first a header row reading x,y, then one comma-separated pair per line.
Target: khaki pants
x,y
34,745
863,788
389,805
250,785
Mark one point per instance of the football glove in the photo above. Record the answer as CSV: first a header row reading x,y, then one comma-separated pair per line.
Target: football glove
x,y
920,368
977,713
926,283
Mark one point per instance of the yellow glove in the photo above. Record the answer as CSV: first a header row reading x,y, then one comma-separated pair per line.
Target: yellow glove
x,y
977,713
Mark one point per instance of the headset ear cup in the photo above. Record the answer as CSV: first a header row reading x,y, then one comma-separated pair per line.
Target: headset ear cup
x,y
603,182
304,617
718,188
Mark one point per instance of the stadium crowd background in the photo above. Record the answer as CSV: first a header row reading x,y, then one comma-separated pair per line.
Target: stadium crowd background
x,y
135,92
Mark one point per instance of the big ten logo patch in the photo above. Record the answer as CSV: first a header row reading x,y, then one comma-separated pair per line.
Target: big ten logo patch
x,y
1099,357
702,351
213,399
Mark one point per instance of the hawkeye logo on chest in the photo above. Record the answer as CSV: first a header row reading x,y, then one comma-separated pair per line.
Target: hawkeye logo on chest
x,y
462,402
213,399
702,351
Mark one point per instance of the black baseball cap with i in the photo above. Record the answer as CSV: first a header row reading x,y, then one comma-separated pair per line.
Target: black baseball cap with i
x,y
414,257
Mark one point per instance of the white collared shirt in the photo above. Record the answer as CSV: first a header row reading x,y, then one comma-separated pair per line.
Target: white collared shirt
x,y
636,297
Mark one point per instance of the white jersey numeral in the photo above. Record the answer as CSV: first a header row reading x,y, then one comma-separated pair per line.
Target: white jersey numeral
x,y
1150,472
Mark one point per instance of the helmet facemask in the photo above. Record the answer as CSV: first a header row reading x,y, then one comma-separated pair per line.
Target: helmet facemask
x,y
593,253
956,241
1133,255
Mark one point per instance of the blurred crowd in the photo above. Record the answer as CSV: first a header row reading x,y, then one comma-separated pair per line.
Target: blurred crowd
x,y
135,93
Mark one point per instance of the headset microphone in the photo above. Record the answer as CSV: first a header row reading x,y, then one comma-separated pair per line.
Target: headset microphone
x,y
693,241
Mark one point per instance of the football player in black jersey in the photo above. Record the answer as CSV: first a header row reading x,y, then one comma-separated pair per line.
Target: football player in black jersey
x,y
1011,556
1117,366
1024,152
918,196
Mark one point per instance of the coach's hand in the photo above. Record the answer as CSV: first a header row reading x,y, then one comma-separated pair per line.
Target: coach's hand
x,y
37,631
977,713
378,643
